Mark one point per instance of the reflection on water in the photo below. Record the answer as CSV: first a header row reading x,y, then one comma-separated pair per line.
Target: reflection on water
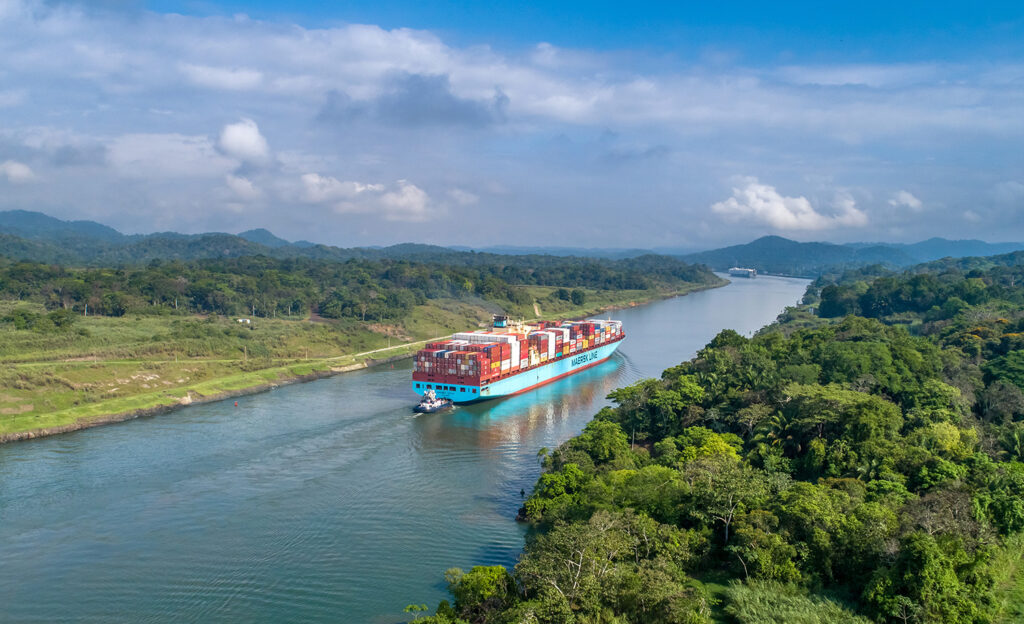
x,y
329,501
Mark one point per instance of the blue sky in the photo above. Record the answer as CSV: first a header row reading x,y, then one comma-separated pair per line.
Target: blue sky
x,y
573,123
877,31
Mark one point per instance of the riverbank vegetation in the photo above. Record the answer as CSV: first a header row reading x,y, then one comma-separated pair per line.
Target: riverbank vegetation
x,y
84,342
866,464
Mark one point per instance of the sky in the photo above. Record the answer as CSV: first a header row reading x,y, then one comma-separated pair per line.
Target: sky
x,y
571,124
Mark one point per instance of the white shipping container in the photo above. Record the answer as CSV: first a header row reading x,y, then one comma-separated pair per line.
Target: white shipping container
x,y
551,342
473,338
559,330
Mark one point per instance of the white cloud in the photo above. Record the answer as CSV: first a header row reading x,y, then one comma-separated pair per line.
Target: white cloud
x,y
754,201
877,76
973,217
221,77
167,156
846,211
16,172
463,198
319,188
402,201
243,187
408,202
906,199
243,141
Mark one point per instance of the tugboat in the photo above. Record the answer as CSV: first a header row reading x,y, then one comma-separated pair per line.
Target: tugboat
x,y
431,403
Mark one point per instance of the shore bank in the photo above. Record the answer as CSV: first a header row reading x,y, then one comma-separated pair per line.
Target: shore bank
x,y
260,380
192,397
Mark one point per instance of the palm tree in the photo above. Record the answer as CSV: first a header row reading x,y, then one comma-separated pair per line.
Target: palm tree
x,y
779,430
869,469
1013,442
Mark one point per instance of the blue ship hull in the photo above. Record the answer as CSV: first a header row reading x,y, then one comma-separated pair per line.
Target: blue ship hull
x,y
523,381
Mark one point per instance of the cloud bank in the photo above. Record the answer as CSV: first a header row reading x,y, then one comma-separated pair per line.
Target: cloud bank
x,y
155,121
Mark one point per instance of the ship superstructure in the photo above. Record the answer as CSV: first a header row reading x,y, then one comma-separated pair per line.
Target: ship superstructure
x,y
512,357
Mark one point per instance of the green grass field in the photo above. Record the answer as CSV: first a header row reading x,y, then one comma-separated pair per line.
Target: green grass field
x,y
104,365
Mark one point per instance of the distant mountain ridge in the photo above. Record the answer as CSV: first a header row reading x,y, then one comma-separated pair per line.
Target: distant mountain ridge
x,y
775,254
88,243
936,248
36,236
26,235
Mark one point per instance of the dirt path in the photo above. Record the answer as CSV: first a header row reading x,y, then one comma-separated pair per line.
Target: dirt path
x,y
91,360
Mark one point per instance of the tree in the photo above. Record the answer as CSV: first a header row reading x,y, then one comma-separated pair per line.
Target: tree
x,y
749,418
1001,401
761,551
602,440
722,487
575,560
481,591
933,580
578,297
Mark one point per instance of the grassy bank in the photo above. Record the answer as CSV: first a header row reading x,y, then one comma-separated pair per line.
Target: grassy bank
x,y
107,368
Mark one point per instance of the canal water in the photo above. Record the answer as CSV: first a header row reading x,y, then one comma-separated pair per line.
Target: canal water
x,y
321,502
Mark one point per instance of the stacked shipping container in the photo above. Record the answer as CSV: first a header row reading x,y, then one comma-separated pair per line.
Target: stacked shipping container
x,y
478,358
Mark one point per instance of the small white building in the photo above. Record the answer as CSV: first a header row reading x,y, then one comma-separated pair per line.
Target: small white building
x,y
245,321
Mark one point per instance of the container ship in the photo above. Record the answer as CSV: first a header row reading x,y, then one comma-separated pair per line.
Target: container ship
x,y
512,357
742,272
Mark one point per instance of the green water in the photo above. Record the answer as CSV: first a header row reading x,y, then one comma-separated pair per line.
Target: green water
x,y
322,502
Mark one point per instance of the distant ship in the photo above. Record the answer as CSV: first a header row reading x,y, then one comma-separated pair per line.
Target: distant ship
x,y
741,272
511,357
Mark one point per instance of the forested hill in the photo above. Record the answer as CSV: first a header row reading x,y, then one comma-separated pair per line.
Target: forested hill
x,y
857,470
774,254
37,237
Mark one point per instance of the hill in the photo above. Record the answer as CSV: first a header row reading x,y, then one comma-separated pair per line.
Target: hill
x,y
774,254
263,237
38,226
37,237
936,248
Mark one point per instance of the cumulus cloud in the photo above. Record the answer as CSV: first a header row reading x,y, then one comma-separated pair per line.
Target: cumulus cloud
x,y
408,202
243,141
402,201
754,201
16,172
906,199
243,187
